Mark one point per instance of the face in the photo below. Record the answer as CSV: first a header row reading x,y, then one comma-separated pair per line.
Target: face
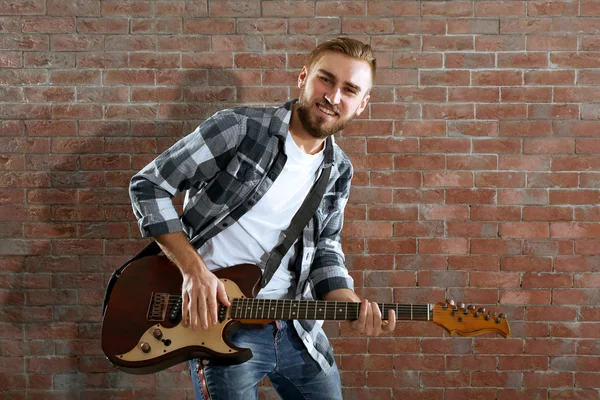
x,y
333,93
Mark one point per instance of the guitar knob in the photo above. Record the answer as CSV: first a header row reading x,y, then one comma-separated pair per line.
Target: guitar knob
x,y
157,333
145,347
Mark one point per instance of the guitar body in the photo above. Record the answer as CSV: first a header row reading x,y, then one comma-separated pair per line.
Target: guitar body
x,y
142,330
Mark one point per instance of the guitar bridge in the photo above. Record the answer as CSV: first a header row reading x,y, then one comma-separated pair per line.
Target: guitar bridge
x,y
157,309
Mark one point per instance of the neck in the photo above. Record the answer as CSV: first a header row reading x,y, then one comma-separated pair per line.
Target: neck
x,y
304,140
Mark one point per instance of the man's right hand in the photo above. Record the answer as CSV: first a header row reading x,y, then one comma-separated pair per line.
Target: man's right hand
x,y
201,289
201,292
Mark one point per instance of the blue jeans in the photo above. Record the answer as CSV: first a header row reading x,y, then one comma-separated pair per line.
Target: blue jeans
x,y
279,354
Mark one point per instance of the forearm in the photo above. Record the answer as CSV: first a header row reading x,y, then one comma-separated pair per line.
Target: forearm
x,y
178,249
342,295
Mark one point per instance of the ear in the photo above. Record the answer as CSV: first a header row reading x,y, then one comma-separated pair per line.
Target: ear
x,y
363,105
302,78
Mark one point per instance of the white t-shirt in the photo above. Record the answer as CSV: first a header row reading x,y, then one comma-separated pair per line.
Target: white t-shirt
x,y
260,229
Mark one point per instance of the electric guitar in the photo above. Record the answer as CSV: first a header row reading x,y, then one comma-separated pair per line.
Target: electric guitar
x,y
142,330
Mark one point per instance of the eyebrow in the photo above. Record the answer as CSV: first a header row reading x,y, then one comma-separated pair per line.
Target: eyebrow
x,y
333,77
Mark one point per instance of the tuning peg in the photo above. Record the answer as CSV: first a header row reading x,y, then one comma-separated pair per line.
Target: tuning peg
x,y
461,305
450,301
481,310
502,316
493,314
470,307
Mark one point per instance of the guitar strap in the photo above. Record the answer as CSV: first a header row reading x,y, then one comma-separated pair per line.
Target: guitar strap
x,y
299,221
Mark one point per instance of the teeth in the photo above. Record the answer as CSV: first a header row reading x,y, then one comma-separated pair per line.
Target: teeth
x,y
325,110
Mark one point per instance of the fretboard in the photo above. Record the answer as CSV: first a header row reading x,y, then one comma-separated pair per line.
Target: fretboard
x,y
242,308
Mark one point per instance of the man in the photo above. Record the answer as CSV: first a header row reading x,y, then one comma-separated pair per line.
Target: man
x,y
246,172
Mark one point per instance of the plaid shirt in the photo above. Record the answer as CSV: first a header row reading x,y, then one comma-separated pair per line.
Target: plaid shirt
x,y
225,166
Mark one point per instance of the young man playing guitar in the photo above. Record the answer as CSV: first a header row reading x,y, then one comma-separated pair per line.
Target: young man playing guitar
x,y
246,171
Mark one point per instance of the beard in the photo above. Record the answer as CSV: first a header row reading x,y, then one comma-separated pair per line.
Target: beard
x,y
317,126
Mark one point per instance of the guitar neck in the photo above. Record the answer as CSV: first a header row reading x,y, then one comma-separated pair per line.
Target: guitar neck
x,y
250,308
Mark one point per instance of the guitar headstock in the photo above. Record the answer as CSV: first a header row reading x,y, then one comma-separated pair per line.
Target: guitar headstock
x,y
462,320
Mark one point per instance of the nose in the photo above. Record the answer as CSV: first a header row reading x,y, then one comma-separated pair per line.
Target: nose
x,y
334,96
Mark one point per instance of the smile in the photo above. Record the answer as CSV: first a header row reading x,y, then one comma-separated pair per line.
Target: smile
x,y
326,111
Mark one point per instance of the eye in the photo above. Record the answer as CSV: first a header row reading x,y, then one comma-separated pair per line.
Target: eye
x,y
350,90
325,79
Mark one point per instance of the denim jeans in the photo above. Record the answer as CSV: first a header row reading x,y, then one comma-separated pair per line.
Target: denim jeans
x,y
279,354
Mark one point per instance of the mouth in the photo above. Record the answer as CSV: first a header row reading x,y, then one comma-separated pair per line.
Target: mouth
x,y
326,111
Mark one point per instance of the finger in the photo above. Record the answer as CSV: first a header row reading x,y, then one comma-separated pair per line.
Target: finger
x,y
193,309
222,294
185,313
202,311
211,303
391,325
362,316
374,320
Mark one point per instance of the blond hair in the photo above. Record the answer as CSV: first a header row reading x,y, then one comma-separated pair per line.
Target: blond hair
x,y
345,45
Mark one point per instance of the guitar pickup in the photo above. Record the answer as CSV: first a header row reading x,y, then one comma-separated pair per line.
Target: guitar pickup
x,y
157,309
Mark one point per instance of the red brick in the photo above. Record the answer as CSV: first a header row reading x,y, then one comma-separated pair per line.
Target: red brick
x,y
434,196
547,213
417,60
255,26
418,229
495,246
443,246
522,196
574,197
500,179
502,379
420,128
561,111
500,111
563,77
470,196
445,78
527,95
486,43
552,180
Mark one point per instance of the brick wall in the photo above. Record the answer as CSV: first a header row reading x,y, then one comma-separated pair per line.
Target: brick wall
x,y
476,179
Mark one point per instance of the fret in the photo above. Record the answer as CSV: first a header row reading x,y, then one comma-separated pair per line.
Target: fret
x,y
306,308
411,311
277,313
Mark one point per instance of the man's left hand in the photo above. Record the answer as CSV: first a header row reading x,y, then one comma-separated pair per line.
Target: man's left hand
x,y
369,321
